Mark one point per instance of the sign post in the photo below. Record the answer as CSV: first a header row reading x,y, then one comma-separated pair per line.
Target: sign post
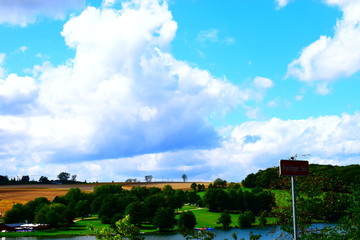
x,y
294,168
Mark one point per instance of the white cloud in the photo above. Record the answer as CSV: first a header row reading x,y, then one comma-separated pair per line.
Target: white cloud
x,y
210,35
213,36
20,12
2,60
23,49
335,57
122,95
281,3
124,106
15,88
261,82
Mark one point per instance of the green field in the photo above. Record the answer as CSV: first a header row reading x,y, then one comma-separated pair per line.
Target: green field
x,y
205,219
79,228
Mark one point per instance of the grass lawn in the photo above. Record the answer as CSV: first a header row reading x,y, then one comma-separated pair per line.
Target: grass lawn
x,y
77,229
206,219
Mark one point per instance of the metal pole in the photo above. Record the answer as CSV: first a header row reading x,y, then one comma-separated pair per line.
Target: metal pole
x,y
294,205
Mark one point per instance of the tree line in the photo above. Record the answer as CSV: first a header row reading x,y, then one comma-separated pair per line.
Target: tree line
x,y
331,178
63,177
143,205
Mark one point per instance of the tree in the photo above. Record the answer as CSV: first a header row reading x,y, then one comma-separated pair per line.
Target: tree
x,y
224,219
193,186
31,207
201,187
123,230
246,219
15,214
216,199
54,214
82,208
63,176
4,179
164,218
187,221
219,183
148,178
73,178
43,179
184,177
25,179
136,213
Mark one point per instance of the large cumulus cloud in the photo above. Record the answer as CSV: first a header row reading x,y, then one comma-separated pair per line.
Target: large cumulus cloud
x,y
122,95
330,58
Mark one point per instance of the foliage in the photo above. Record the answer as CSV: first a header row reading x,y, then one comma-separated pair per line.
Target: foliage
x,y
164,219
216,199
219,183
187,221
225,220
63,176
123,230
184,177
257,200
15,214
43,180
246,219
148,178
329,178
135,211
54,214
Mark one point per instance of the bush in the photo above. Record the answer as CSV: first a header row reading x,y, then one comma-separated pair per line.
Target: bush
x,y
246,219
187,221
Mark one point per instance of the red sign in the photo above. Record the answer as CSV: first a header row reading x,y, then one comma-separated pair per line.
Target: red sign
x,y
294,168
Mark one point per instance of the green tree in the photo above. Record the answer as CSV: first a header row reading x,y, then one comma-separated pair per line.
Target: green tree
x,y
219,183
224,219
164,219
82,208
136,213
31,207
63,176
55,214
123,230
43,180
216,199
152,203
148,178
193,186
187,221
184,177
246,219
25,179
15,214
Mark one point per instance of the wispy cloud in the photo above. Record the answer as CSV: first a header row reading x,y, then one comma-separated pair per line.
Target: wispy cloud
x,y
213,36
281,3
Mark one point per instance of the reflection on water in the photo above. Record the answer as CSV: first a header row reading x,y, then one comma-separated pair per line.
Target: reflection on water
x,y
220,234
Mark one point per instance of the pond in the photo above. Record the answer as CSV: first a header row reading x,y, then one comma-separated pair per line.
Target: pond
x,y
220,234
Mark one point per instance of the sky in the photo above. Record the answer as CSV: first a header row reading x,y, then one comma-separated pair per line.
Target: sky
x,y
115,89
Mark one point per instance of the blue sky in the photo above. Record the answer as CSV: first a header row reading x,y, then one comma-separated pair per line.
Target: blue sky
x,y
111,90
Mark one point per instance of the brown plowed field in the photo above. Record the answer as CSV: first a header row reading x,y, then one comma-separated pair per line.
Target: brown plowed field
x,y
12,194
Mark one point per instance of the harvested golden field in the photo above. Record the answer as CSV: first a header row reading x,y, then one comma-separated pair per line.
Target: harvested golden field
x,y
12,194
